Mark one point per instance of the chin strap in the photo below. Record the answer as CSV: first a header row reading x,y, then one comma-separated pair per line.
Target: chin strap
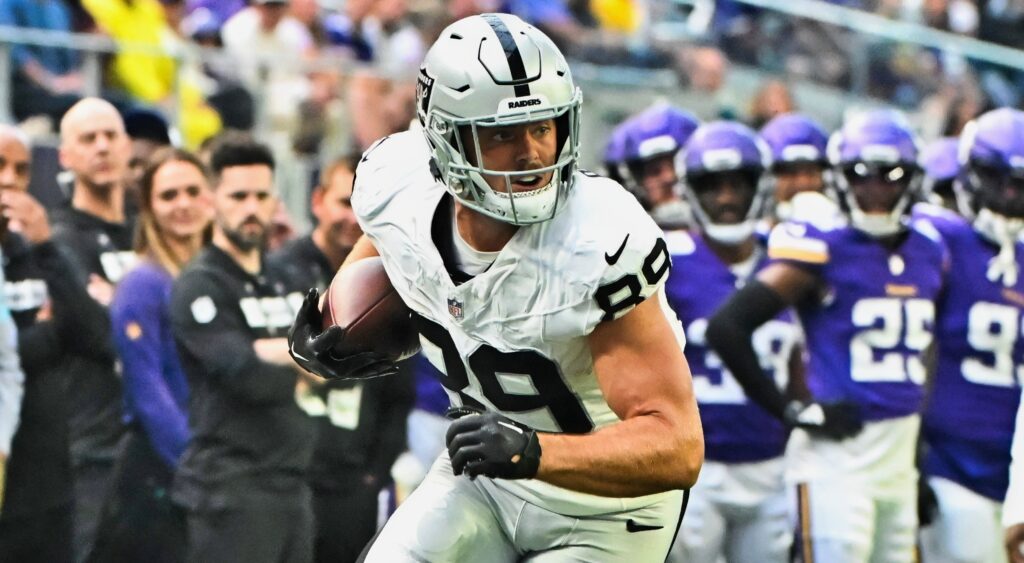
x,y
1005,233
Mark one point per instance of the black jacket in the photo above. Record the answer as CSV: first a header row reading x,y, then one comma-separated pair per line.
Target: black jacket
x,y
96,247
39,470
247,429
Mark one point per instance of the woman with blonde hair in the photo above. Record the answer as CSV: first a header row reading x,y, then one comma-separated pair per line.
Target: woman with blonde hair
x,y
139,522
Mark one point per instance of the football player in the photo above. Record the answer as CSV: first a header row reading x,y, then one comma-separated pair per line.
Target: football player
x,y
798,158
864,290
968,425
739,509
650,141
941,163
537,291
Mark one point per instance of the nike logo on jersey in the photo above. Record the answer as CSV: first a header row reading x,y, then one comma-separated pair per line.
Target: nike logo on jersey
x,y
632,527
613,258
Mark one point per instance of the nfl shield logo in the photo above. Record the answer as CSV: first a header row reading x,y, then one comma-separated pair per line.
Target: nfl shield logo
x,y
455,308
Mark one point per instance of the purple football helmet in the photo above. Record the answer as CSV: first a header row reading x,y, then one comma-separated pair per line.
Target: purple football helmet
x,y
991,154
658,130
875,148
716,152
795,138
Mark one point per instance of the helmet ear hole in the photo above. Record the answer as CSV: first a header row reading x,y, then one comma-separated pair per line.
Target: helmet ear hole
x,y
562,128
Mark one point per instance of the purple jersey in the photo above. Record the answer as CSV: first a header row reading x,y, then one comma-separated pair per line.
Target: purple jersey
x,y
874,313
969,418
735,429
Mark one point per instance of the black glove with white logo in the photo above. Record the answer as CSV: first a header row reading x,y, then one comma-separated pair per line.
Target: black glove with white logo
x,y
836,421
486,443
311,347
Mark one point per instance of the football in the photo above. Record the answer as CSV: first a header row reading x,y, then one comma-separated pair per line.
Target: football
x,y
362,300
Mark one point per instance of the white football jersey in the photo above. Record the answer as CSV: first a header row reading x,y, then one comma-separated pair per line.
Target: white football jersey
x,y
513,338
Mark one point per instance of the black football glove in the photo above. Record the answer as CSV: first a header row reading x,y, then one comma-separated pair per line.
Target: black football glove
x,y
486,443
836,421
311,347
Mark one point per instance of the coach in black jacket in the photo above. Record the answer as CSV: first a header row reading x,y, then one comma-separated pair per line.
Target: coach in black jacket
x,y
242,478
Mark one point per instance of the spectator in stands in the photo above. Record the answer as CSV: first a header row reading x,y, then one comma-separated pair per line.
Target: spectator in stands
x,y
139,522
46,80
772,98
267,43
98,235
381,99
360,424
220,75
242,479
150,78
222,9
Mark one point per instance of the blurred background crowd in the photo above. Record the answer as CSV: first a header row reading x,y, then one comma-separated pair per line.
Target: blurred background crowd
x,y
315,78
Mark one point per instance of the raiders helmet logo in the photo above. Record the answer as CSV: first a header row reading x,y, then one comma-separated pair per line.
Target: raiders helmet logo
x,y
516,104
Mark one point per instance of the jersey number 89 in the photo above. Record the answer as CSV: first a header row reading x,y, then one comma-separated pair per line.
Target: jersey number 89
x,y
531,369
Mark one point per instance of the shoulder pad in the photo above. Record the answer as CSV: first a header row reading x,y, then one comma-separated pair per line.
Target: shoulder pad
x,y
680,243
816,209
386,167
798,242
633,252
927,228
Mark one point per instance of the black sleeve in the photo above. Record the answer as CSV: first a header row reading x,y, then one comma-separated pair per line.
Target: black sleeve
x,y
38,345
730,332
81,323
220,347
397,395
78,249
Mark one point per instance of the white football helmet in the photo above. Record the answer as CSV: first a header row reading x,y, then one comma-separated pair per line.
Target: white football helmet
x,y
497,70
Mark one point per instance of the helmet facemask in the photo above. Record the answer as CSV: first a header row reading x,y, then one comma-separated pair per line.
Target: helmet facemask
x,y
857,180
455,159
754,193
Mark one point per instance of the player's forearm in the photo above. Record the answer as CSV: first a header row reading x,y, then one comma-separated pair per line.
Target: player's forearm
x,y
639,456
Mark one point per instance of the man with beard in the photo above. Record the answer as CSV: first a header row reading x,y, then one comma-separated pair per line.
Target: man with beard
x,y
52,312
360,424
242,479
98,236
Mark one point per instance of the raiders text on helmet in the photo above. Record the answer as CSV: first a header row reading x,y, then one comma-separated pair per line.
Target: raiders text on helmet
x,y
496,70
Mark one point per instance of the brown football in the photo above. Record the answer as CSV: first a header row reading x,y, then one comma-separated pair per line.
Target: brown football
x,y
362,300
